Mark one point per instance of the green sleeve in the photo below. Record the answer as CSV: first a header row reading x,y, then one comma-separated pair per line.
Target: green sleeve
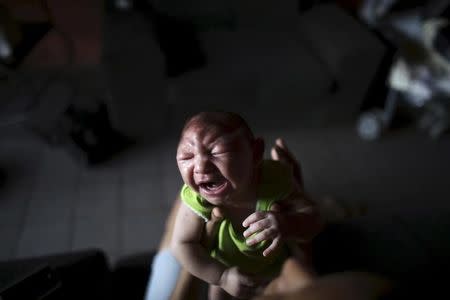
x,y
196,203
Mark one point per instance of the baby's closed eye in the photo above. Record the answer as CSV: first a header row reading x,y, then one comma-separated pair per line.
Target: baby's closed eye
x,y
220,153
185,156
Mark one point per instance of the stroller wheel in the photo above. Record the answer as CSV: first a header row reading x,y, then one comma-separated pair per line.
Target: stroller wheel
x,y
370,125
438,128
435,120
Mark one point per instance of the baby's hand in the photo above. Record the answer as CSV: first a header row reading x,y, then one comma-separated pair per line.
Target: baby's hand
x,y
267,226
237,284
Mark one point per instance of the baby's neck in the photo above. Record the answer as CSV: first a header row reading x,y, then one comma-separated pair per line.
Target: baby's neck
x,y
238,213
245,204
238,216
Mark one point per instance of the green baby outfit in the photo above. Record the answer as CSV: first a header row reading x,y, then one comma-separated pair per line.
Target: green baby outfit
x,y
231,249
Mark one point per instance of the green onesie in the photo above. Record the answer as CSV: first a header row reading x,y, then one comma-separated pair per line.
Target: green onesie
x,y
231,249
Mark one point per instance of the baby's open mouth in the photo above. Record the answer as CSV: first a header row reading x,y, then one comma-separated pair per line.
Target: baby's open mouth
x,y
213,187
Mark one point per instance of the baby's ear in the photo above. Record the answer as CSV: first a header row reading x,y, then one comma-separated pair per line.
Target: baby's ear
x,y
258,150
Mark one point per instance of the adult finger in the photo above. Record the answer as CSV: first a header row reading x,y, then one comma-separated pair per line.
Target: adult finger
x,y
274,154
217,213
284,154
275,207
254,217
273,246
281,152
256,227
212,226
281,144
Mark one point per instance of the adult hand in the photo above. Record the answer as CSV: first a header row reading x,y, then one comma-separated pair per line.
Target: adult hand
x,y
293,277
280,152
268,226
296,281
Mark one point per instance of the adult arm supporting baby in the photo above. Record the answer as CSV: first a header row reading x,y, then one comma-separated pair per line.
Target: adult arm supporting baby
x,y
301,219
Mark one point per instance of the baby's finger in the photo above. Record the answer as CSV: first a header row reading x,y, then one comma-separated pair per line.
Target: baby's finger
x,y
266,234
257,226
254,217
273,246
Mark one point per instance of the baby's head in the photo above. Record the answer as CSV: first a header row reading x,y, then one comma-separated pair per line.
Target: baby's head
x,y
218,156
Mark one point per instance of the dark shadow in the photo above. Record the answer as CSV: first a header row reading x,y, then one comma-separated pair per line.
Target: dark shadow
x,y
130,276
32,33
3,178
72,275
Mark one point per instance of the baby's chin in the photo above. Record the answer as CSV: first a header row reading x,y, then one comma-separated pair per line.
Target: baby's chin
x,y
224,201
215,200
228,201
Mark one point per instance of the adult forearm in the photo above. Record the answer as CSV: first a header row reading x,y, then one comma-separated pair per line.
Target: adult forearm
x,y
198,262
302,226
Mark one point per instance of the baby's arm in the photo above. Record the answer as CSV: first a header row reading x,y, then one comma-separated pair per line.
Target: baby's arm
x,y
187,247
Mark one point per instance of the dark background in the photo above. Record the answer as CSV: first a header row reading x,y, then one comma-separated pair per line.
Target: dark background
x,y
300,75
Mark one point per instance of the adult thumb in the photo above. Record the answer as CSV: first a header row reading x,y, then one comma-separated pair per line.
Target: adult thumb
x,y
212,226
217,214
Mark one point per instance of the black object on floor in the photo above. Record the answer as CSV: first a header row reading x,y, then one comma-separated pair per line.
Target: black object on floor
x,y
77,275
32,283
92,138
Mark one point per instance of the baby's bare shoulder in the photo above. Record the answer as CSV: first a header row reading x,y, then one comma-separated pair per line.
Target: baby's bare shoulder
x,y
189,226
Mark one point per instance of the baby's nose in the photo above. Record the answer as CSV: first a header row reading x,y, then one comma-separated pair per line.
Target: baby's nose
x,y
203,165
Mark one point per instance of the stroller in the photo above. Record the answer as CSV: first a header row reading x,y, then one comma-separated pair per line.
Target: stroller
x,y
419,78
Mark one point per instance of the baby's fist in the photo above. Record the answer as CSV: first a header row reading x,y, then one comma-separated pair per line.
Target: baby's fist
x,y
237,284
263,226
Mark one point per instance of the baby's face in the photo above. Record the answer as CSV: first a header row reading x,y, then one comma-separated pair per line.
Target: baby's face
x,y
216,164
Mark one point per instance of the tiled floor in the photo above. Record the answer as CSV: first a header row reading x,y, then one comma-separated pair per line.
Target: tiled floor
x,y
50,204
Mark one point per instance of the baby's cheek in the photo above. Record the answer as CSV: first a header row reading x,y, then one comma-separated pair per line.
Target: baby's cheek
x,y
242,174
186,173
189,180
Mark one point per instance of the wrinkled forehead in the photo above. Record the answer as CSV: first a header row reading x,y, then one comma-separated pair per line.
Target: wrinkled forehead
x,y
215,128
211,132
